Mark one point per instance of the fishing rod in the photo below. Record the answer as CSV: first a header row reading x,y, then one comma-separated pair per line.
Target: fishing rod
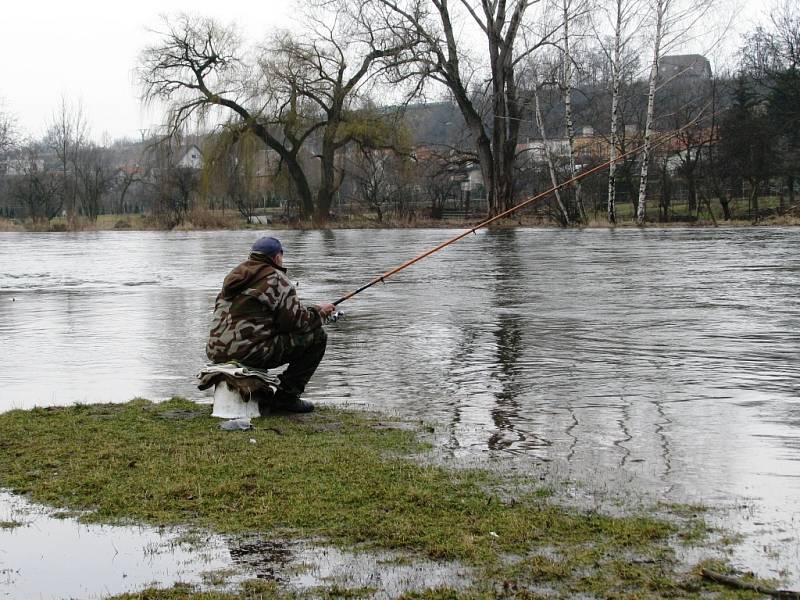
x,y
381,278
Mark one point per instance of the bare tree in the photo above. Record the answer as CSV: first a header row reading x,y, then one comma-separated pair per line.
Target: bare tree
x,y
8,142
93,178
198,70
171,187
670,22
571,11
686,104
659,10
125,178
715,171
563,214
298,87
444,57
616,24
66,135
771,57
374,182
36,189
333,65
747,142
433,179
8,131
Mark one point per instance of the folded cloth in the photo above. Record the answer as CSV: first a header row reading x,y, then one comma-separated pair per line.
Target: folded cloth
x,y
247,380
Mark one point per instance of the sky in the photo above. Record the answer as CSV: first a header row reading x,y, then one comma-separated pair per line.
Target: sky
x,y
86,51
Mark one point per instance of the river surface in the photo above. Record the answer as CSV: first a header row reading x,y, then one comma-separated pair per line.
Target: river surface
x,y
661,363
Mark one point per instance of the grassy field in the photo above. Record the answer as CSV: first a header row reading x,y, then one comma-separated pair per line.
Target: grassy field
x,y
346,478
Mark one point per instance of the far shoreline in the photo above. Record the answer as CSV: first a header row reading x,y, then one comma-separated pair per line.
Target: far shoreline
x,y
237,223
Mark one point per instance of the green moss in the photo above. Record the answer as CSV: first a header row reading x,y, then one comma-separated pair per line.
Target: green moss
x,y
334,475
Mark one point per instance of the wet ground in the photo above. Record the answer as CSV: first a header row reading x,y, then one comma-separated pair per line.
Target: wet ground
x,y
47,555
646,365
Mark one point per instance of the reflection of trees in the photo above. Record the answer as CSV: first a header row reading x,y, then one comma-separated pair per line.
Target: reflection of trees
x,y
623,421
466,347
664,444
505,413
508,338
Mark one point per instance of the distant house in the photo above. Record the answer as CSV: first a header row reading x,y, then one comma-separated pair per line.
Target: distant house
x,y
467,174
586,145
474,178
536,150
192,158
684,66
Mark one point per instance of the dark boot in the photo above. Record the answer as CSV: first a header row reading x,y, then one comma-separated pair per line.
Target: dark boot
x,y
288,402
303,361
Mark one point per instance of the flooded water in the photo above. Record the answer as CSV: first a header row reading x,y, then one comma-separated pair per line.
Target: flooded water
x,y
47,557
663,364
51,557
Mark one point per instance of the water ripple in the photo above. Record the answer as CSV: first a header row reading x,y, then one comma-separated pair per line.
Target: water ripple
x,y
668,355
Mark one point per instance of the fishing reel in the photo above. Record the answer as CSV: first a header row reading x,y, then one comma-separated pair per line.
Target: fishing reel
x,y
334,316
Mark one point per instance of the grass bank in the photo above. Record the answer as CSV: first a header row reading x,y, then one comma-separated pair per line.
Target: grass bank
x,y
206,220
343,477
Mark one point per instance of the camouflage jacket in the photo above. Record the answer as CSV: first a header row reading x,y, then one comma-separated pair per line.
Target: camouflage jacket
x,y
257,303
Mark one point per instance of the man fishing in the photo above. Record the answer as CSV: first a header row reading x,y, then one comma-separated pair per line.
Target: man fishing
x,y
259,321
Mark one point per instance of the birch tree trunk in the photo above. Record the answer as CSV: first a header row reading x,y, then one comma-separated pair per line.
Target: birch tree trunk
x,y
616,78
660,7
548,155
565,6
624,20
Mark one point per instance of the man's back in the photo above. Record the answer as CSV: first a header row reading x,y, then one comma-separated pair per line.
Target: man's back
x,y
256,304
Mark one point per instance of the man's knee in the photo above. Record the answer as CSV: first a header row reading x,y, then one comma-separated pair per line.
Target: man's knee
x,y
292,345
314,347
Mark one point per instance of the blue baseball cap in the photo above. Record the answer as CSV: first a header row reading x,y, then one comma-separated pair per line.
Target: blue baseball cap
x,y
268,246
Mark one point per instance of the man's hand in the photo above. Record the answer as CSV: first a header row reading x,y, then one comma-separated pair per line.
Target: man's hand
x,y
325,309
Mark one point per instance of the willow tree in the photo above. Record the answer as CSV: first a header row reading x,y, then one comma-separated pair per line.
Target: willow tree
x,y
197,68
334,66
233,169
298,93
448,33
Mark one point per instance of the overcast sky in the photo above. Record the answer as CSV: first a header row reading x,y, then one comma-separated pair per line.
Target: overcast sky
x,y
86,51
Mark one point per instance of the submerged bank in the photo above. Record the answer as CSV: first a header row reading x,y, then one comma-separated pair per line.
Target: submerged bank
x,y
348,479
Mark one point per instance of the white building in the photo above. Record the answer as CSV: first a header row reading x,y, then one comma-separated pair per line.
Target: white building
x,y
192,158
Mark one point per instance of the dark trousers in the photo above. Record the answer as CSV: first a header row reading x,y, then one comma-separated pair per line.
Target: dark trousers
x,y
303,352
